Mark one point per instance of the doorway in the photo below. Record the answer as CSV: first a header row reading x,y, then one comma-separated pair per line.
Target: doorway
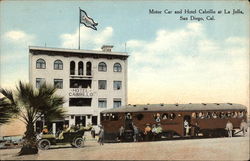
x,y
80,120
186,125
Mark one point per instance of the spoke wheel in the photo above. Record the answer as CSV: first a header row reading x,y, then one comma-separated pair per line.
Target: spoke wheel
x,y
78,142
44,144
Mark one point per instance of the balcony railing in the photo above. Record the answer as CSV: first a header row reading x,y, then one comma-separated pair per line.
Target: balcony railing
x,y
76,73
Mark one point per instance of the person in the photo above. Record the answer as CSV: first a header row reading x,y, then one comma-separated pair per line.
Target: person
x,y
193,115
66,128
121,133
240,114
101,135
158,117
234,115
93,132
147,131
196,129
172,116
136,133
214,115
77,127
128,116
72,128
201,115
154,131
158,131
45,130
165,117
243,127
229,128
187,127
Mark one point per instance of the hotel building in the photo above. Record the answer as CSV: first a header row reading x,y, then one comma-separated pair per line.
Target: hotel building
x,y
90,81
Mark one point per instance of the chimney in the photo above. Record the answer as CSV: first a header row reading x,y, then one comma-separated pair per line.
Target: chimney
x,y
107,48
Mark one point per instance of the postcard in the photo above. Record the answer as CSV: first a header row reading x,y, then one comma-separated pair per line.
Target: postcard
x,y
133,80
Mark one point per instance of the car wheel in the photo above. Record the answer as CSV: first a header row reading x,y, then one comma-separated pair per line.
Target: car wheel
x,y
44,144
78,142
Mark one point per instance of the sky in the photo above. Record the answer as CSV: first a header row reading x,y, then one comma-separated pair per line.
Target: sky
x,y
171,60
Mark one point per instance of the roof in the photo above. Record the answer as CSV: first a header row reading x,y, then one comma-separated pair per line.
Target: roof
x,y
75,52
177,107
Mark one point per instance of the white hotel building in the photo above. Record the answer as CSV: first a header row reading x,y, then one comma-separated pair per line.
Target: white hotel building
x,y
90,81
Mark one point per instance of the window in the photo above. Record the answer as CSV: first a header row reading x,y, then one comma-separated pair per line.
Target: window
x,y
117,85
165,116
102,84
80,101
172,116
58,83
79,83
39,82
72,68
193,115
117,67
102,67
88,67
40,64
102,102
94,120
80,68
117,103
157,117
58,65
139,116
114,117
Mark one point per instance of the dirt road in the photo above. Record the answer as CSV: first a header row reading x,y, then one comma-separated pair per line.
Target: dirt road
x,y
236,148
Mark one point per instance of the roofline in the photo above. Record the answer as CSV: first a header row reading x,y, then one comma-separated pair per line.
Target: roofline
x,y
77,51
176,107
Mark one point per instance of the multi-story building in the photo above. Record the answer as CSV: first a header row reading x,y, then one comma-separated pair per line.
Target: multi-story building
x,y
90,81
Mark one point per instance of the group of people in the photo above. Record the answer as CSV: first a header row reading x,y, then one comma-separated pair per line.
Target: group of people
x,y
222,115
243,128
149,132
188,128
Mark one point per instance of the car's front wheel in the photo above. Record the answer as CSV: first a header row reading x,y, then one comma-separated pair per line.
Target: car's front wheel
x,y
44,144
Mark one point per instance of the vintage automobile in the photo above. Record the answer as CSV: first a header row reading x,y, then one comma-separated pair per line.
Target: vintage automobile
x,y
74,137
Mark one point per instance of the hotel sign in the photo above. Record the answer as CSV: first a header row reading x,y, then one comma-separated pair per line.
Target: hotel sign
x,y
81,92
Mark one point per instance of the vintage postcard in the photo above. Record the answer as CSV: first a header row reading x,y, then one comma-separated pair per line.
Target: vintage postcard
x,y
124,80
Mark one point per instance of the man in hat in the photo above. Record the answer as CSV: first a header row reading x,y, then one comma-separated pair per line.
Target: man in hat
x,y
121,133
45,130
243,127
101,135
229,128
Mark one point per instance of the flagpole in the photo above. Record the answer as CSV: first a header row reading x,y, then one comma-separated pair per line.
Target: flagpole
x,y
79,28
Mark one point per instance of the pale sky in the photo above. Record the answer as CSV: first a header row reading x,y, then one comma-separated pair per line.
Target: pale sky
x,y
170,60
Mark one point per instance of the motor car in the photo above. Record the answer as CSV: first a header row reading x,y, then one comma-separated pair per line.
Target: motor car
x,y
74,137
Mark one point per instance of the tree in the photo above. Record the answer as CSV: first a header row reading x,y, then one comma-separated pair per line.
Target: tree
x,y
29,104
6,111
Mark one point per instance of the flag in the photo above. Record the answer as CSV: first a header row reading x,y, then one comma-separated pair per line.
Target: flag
x,y
87,21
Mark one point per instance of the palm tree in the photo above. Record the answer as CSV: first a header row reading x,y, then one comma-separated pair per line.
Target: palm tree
x,y
29,104
6,111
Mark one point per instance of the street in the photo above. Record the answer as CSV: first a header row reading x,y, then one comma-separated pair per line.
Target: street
x,y
236,148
